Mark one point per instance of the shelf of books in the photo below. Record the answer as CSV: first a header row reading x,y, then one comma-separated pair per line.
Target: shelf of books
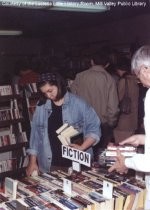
x,y
83,190
13,139
32,97
11,121
8,147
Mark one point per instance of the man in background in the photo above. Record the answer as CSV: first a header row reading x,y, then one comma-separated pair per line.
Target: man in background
x,y
127,86
98,88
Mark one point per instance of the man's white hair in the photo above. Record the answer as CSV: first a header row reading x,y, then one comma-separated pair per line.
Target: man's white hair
x,y
141,57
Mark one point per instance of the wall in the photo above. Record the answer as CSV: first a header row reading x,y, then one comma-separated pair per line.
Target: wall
x,y
13,49
117,33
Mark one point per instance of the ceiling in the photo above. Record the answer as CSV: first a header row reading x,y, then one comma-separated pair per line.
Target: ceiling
x,y
45,23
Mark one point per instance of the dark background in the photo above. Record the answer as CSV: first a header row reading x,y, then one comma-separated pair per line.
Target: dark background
x,y
61,38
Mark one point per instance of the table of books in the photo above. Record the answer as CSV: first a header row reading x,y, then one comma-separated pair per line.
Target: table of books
x,y
46,191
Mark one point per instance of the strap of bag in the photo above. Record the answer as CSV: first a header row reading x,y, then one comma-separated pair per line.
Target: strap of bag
x,y
126,93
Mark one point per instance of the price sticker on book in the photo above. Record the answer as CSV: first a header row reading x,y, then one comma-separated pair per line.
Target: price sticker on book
x,y
107,189
67,186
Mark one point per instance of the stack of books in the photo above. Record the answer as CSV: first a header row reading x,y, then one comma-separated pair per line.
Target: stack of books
x,y
126,150
110,153
69,135
5,90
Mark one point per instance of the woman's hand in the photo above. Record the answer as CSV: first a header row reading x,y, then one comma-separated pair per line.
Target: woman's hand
x,y
134,140
86,144
76,146
32,166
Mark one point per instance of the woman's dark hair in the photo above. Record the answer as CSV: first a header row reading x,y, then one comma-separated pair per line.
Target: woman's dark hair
x,y
124,64
53,79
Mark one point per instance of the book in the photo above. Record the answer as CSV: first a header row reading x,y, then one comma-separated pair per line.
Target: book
x,y
126,150
16,205
77,177
121,147
5,90
5,131
52,198
83,201
11,187
37,189
69,135
3,198
21,193
93,185
35,201
97,200
64,126
16,89
77,190
139,195
47,177
77,139
52,206
130,196
119,200
27,181
125,153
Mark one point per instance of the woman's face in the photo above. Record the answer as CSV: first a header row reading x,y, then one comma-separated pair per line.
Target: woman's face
x,y
50,91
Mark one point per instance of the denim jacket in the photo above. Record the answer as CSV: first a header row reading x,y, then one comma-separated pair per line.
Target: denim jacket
x,y
75,112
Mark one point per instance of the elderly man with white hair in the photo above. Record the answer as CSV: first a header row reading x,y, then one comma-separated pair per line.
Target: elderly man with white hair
x,y
140,65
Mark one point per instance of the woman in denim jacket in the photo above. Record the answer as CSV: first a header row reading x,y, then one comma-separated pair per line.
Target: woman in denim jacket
x,y
57,107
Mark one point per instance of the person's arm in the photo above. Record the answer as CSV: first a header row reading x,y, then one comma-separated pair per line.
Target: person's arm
x,y
138,162
134,140
86,144
32,151
91,126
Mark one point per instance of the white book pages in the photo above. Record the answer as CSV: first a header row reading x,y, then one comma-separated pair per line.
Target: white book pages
x,y
63,140
69,132
58,131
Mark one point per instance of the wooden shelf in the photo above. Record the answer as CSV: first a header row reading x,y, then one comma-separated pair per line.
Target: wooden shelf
x,y
8,97
14,174
8,122
13,147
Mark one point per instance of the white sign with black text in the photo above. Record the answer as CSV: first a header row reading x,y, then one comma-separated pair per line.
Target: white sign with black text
x,y
81,157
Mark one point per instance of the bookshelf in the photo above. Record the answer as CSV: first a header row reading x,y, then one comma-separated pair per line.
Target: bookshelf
x,y
13,147
13,174
13,138
32,96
